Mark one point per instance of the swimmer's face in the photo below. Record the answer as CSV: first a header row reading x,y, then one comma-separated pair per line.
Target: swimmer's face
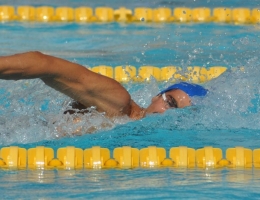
x,y
171,99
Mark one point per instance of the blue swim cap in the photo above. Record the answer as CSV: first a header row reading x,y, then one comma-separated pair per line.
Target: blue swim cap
x,y
190,89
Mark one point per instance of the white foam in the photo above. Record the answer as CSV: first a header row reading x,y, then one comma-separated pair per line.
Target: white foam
x,y
31,111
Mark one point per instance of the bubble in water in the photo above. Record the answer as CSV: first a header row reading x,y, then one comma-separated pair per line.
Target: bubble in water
x,y
136,59
191,57
244,40
198,51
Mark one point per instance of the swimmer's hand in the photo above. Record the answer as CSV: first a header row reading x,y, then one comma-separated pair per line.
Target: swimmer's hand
x,y
79,124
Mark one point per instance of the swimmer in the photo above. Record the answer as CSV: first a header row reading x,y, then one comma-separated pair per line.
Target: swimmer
x,y
88,88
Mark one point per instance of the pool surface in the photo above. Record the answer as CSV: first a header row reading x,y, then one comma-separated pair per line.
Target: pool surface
x,y
229,116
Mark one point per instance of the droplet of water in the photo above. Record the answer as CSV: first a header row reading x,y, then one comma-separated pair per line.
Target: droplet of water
x,y
198,51
136,59
244,40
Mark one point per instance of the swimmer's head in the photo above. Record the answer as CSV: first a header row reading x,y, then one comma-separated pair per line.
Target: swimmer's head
x,y
175,96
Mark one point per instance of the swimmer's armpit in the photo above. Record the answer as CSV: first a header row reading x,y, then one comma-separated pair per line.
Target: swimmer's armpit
x,y
76,108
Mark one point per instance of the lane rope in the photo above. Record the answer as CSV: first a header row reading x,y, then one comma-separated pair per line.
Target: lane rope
x,y
70,157
140,14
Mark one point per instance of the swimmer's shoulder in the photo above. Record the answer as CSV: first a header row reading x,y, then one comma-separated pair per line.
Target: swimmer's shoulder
x,y
136,112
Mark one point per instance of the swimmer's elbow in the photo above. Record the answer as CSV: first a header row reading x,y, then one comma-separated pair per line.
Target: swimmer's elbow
x,y
34,54
40,65
44,62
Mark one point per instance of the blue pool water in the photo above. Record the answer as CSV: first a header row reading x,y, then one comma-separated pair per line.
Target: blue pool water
x,y
229,116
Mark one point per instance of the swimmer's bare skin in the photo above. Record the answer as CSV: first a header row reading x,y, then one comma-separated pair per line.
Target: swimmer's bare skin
x,y
82,85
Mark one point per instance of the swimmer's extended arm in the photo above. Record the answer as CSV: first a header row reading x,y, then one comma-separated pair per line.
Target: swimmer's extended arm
x,y
74,80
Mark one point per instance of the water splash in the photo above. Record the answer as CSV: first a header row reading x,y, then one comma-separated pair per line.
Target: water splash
x,y
233,102
30,111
